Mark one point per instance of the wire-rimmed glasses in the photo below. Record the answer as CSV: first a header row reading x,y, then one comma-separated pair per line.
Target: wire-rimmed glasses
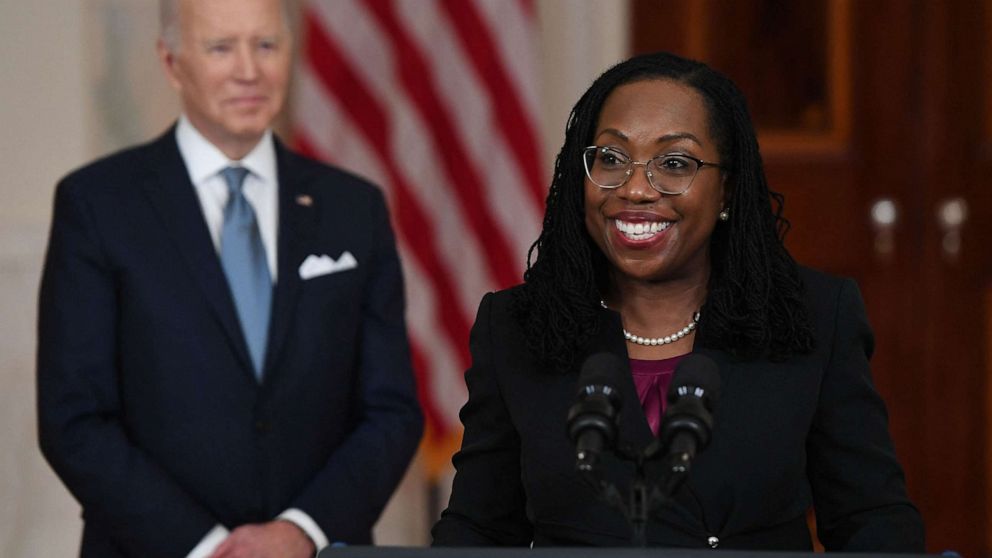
x,y
670,173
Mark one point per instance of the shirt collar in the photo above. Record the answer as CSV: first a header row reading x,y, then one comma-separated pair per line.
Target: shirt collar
x,y
204,160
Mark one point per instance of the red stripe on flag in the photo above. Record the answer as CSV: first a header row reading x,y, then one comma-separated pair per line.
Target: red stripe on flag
x,y
517,129
463,177
304,145
340,81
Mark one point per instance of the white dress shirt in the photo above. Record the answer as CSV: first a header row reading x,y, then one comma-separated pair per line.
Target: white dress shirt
x,y
204,162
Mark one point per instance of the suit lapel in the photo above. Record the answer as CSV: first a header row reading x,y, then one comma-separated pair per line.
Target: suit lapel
x,y
634,429
635,434
174,198
298,211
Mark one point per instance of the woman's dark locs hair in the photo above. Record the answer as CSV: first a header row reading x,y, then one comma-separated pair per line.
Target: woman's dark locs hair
x,y
754,305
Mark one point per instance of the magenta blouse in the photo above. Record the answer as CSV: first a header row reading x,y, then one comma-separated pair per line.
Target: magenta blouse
x,y
652,378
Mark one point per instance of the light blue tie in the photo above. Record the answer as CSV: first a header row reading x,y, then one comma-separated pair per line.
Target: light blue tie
x,y
242,255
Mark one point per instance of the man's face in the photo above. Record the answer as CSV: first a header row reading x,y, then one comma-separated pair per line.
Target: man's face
x,y
231,68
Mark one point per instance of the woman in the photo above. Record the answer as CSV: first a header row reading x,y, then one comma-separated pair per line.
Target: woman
x,y
662,238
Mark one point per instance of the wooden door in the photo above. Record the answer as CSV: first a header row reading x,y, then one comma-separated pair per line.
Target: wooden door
x,y
874,120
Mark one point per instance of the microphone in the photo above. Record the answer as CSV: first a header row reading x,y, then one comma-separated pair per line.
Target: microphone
x,y
593,419
688,420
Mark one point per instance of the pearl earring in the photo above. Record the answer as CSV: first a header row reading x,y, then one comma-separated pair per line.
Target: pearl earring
x,y
724,215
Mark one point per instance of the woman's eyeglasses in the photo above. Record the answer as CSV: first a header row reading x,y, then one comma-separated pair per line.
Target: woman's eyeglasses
x,y
671,173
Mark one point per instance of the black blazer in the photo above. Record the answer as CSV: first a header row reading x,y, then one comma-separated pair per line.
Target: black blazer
x,y
787,436
148,407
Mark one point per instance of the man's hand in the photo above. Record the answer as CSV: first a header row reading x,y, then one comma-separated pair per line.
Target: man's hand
x,y
275,539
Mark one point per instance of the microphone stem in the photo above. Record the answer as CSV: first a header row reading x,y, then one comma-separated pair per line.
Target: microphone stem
x,y
638,512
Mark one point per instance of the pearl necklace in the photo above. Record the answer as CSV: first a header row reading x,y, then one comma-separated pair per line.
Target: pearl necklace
x,y
653,341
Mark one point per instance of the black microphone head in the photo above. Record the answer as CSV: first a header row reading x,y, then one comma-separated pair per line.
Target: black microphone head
x,y
593,419
692,396
696,375
601,369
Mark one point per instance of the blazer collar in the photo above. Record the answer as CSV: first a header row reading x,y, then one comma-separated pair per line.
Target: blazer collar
x,y
634,433
300,206
634,429
172,194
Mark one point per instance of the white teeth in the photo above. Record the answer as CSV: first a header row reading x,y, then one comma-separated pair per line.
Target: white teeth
x,y
641,230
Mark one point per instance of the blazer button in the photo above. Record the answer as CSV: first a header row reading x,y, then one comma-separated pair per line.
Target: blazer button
x,y
261,426
713,542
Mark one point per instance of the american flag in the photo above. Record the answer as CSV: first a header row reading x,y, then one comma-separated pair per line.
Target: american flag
x,y
436,102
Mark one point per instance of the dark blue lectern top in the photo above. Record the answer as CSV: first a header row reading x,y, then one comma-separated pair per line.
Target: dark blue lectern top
x,y
584,552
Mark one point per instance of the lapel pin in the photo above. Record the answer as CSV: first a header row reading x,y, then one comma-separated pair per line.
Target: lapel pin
x,y
304,200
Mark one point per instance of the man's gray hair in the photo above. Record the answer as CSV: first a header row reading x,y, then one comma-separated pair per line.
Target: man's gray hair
x,y
168,19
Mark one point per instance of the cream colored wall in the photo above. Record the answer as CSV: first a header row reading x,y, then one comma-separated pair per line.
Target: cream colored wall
x,y
80,79
579,40
42,133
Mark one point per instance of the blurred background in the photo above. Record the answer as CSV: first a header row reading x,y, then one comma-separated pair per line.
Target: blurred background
x,y
875,120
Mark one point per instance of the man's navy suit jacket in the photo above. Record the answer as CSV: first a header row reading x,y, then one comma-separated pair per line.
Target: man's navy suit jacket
x,y
148,407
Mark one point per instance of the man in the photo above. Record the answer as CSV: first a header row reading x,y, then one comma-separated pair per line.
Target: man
x,y
223,367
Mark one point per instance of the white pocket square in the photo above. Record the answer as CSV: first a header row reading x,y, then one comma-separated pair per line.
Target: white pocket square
x,y
315,266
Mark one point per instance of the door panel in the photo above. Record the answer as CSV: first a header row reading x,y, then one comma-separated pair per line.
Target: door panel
x,y
861,102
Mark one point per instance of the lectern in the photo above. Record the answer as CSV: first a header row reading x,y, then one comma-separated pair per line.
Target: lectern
x,y
583,552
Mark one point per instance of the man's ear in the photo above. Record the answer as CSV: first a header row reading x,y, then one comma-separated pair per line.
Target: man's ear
x,y
168,61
